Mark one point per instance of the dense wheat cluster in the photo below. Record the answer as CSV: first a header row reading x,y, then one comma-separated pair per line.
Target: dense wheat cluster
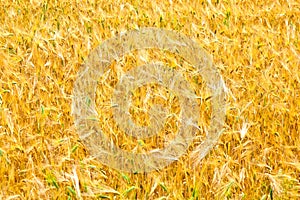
x,y
255,46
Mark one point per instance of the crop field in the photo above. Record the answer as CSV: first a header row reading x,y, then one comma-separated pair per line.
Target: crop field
x,y
255,46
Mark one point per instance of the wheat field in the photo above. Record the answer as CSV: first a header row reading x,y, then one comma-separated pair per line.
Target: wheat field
x,y
255,46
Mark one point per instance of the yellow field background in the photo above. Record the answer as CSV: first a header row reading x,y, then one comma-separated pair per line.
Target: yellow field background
x,y
255,46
